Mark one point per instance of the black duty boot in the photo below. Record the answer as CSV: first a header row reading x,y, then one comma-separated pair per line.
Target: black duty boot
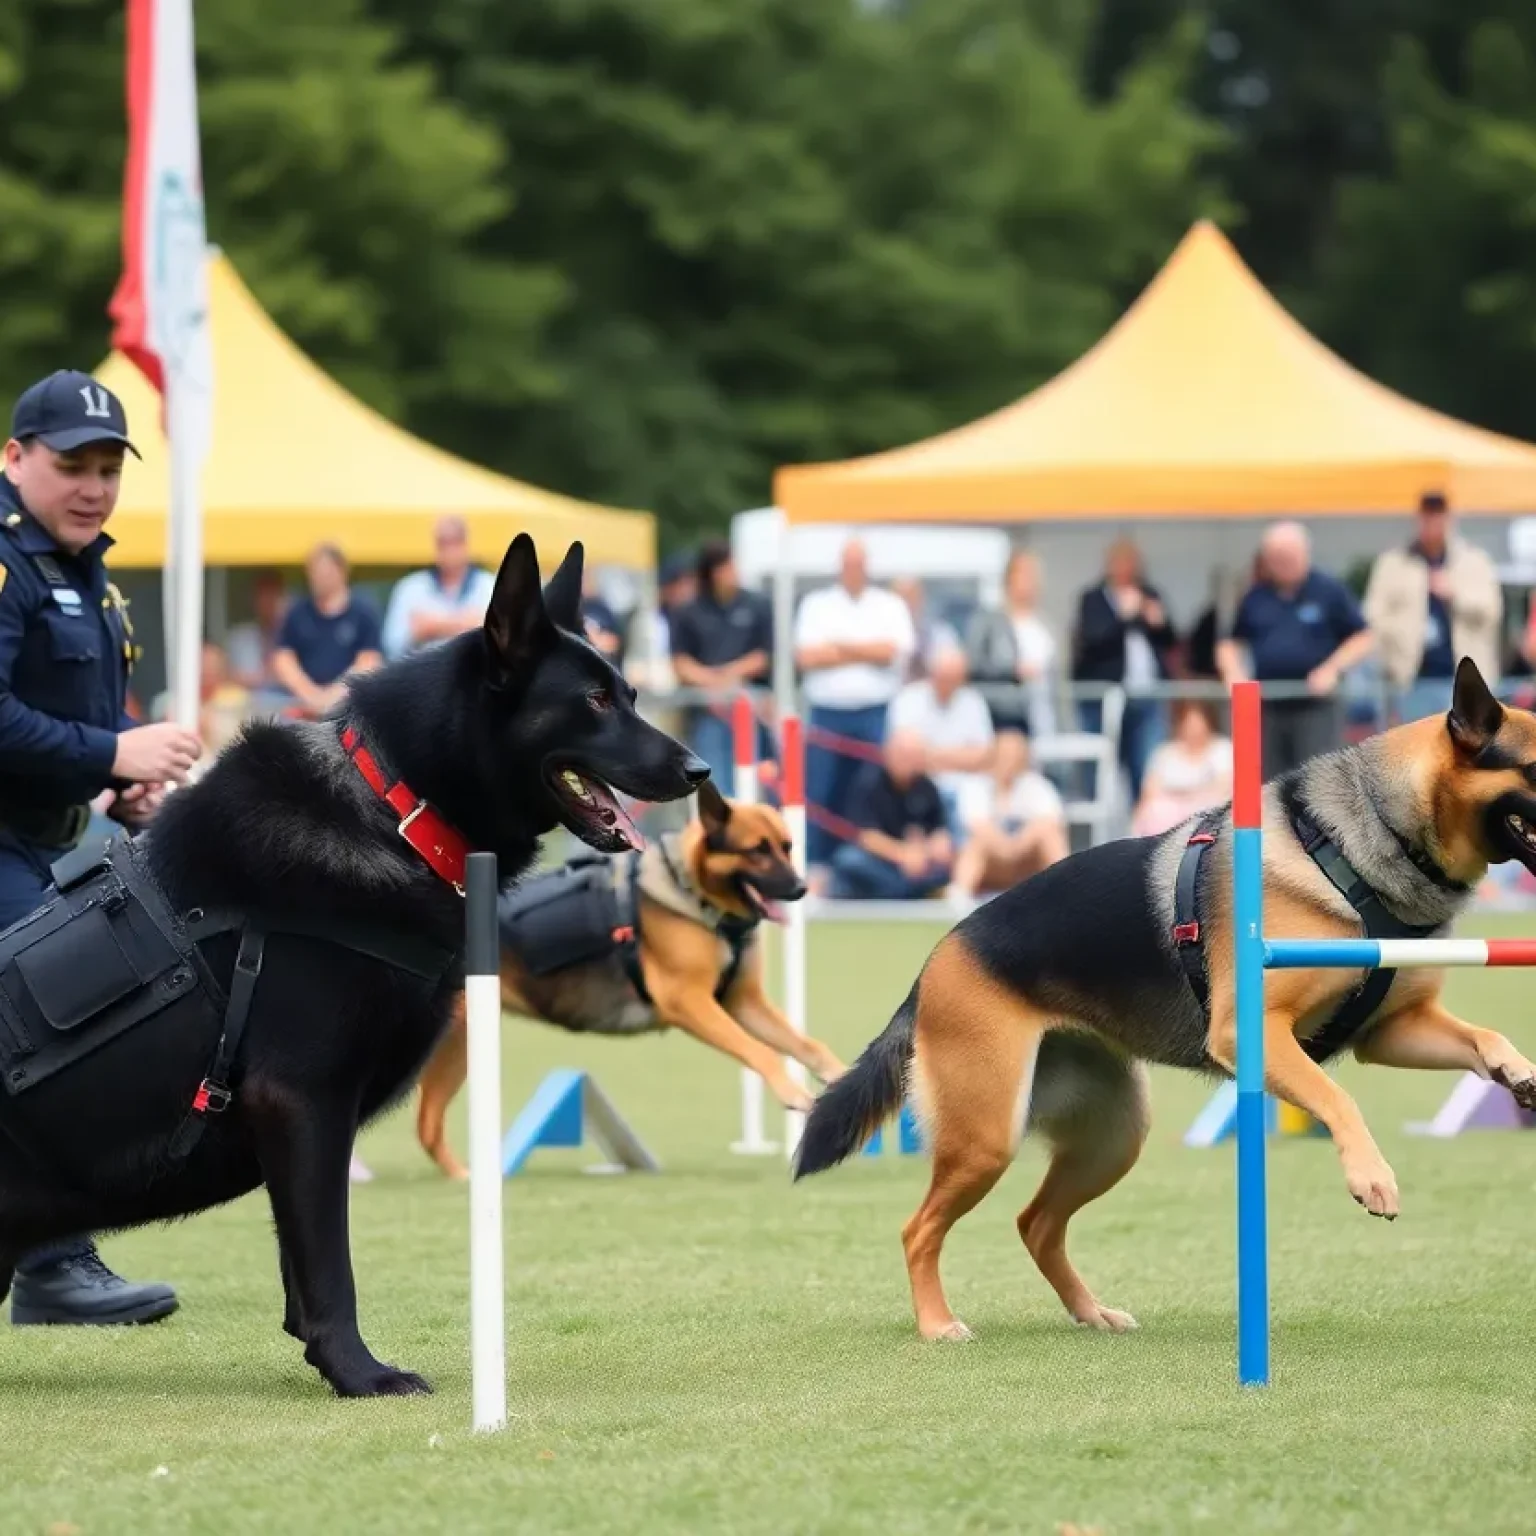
x,y
70,1284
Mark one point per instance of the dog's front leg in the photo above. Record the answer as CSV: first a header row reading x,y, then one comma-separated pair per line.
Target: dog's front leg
x,y
757,1015
293,1310
1292,1075
1425,1036
305,1150
699,1014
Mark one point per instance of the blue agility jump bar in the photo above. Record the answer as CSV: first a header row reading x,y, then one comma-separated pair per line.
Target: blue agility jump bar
x,y
1322,954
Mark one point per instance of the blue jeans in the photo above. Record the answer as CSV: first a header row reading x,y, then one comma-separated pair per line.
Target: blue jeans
x,y
858,874
829,775
26,883
713,738
1425,696
1142,729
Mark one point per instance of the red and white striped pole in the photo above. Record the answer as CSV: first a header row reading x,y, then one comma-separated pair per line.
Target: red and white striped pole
x,y
793,750
754,1141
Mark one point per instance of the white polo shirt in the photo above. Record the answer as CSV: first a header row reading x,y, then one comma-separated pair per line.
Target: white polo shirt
x,y
961,720
833,615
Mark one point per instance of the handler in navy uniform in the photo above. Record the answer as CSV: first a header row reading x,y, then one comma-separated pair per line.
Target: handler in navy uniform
x,y
66,649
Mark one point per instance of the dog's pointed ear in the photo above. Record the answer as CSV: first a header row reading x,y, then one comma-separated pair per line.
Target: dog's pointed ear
x,y
1475,715
517,626
562,597
714,811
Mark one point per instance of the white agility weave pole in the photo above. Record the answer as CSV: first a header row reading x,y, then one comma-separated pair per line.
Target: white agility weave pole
x,y
792,747
753,1141
482,1006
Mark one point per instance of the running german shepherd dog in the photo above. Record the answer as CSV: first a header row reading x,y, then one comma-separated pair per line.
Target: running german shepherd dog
x,y
690,956
1038,1011
291,933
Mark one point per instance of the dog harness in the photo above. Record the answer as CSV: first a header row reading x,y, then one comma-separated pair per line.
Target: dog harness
x,y
1378,921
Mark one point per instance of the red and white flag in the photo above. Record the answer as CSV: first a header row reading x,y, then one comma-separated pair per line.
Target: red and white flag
x,y
160,308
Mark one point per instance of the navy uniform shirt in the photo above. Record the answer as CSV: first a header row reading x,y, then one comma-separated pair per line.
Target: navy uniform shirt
x,y
880,804
713,633
1289,636
66,649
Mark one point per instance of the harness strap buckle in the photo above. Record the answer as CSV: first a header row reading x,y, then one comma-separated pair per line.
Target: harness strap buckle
x,y
211,1098
1201,837
1186,933
410,816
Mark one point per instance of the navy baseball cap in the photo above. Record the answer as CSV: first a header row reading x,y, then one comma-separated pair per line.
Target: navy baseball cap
x,y
69,409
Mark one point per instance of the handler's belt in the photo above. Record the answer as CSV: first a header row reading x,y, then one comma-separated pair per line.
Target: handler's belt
x,y
1375,917
108,952
50,826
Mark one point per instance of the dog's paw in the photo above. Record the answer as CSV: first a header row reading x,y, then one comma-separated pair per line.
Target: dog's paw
x,y
1105,1319
1374,1186
951,1332
1519,1076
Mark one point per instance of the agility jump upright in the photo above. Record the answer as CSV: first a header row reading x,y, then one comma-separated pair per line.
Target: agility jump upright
x,y
1254,955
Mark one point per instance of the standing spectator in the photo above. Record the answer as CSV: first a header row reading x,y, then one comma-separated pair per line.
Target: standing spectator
x,y
326,635
1123,636
904,848
952,717
447,599
651,631
1430,604
1300,625
602,623
721,642
930,634
1012,645
1014,825
1190,773
251,646
852,642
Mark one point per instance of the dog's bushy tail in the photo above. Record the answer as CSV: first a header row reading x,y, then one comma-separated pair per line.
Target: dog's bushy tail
x,y
850,1111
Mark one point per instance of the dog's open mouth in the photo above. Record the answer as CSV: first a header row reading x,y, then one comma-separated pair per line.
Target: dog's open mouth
x,y
765,906
592,811
1523,830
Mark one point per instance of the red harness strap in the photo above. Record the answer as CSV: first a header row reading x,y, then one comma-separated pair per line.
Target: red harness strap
x,y
441,845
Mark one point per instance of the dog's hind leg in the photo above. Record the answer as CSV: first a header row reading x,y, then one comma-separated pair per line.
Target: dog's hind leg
x,y
293,1309
1091,1104
973,1057
305,1148
441,1079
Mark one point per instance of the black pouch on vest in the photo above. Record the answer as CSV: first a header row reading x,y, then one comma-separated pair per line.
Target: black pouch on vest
x,y
561,919
99,958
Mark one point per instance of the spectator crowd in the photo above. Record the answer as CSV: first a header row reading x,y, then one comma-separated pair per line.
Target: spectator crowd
x,y
922,733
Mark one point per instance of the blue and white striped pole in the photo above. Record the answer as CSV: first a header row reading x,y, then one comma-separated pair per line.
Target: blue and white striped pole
x,y
1248,921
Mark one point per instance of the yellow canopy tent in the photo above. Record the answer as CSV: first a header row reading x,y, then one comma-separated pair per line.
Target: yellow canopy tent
x,y
296,459
1206,399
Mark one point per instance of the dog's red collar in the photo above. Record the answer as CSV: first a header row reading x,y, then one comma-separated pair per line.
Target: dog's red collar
x,y
441,845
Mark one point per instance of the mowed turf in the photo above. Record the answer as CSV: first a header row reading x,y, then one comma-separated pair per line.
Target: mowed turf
x,y
713,1350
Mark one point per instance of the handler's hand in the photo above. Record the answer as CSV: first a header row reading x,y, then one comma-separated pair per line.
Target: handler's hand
x,y
156,754
136,806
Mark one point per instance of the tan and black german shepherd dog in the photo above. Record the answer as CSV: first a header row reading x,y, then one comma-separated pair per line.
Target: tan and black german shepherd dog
x,y
732,862
1039,1011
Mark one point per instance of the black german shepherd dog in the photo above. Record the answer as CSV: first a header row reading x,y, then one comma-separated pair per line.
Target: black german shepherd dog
x,y
487,741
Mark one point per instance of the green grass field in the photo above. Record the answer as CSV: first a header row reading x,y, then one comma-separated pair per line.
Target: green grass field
x,y
712,1350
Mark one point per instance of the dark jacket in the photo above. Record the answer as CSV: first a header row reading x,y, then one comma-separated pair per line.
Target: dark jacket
x,y
1099,648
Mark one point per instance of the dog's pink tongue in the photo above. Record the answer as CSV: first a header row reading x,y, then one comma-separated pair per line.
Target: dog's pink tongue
x,y
613,813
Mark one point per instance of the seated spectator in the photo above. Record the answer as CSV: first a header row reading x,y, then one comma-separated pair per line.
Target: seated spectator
x,y
251,646
1014,824
326,635
722,642
650,630
903,849
225,701
1187,775
447,599
1012,645
932,634
952,718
